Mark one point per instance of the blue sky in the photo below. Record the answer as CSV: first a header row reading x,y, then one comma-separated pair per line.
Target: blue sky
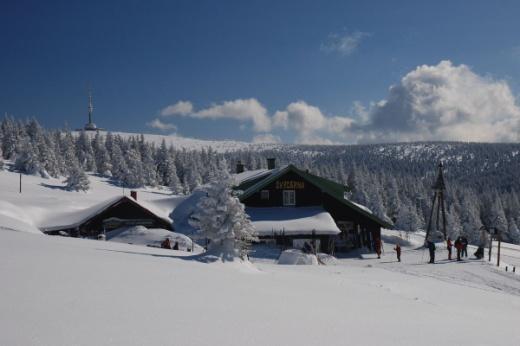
x,y
291,71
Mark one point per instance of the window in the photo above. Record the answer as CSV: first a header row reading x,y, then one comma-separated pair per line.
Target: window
x,y
264,194
289,197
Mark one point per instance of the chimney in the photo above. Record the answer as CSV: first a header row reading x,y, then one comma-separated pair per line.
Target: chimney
x,y
271,163
240,167
133,194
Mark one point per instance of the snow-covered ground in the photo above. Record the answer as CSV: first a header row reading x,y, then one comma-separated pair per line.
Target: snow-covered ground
x,y
68,291
198,144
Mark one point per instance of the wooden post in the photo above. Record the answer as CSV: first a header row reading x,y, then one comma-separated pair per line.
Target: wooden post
x,y
20,182
490,246
498,251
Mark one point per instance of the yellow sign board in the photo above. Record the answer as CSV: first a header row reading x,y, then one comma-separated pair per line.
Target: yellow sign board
x,y
290,185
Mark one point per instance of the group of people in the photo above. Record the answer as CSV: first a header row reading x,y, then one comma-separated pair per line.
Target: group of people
x,y
461,245
167,244
379,249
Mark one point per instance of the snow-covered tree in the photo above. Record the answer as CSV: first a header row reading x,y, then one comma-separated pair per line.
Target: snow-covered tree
x,y
27,159
221,219
134,175
85,153
77,179
101,156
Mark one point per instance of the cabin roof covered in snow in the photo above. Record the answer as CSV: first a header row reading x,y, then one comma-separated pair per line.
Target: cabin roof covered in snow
x,y
301,220
76,218
333,189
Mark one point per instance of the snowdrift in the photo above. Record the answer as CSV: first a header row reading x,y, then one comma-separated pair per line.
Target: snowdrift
x,y
11,218
296,257
140,235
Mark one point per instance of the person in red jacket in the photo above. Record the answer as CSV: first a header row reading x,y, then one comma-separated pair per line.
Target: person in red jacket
x,y
449,245
397,249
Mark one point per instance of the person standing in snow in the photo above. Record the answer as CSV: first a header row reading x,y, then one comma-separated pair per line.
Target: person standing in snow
x,y
378,247
458,246
431,249
464,241
397,249
449,245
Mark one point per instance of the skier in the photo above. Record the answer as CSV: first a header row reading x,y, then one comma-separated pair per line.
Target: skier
x,y
431,248
458,246
397,249
449,245
464,241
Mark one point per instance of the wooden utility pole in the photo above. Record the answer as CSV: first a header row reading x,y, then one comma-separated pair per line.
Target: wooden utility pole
x,y
438,202
499,237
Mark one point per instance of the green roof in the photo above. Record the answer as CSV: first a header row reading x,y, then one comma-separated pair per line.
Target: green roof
x,y
333,189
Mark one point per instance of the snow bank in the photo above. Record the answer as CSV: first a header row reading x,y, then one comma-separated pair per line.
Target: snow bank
x,y
294,256
10,224
11,218
140,235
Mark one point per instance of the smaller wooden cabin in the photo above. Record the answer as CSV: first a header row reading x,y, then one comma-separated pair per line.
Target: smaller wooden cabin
x,y
113,213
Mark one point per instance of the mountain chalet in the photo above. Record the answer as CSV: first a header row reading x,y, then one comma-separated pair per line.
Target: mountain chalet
x,y
289,207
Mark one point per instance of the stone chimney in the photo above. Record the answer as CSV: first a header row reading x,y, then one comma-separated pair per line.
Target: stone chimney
x,y
133,194
240,167
271,163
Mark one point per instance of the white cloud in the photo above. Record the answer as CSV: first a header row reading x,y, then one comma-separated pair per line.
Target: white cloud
x,y
243,110
307,120
267,138
158,124
179,108
444,102
439,102
301,117
344,43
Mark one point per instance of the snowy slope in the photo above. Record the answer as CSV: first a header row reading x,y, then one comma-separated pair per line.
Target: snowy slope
x,y
66,291
196,144
45,202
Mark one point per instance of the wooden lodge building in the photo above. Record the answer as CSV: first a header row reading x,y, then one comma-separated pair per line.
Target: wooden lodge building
x,y
110,214
289,206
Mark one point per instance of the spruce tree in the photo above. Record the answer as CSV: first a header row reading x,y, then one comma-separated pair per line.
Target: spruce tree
x,y
221,218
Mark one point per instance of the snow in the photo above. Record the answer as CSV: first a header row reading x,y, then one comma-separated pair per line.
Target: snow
x,y
8,223
46,202
187,143
294,256
140,235
300,220
360,206
250,175
67,291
